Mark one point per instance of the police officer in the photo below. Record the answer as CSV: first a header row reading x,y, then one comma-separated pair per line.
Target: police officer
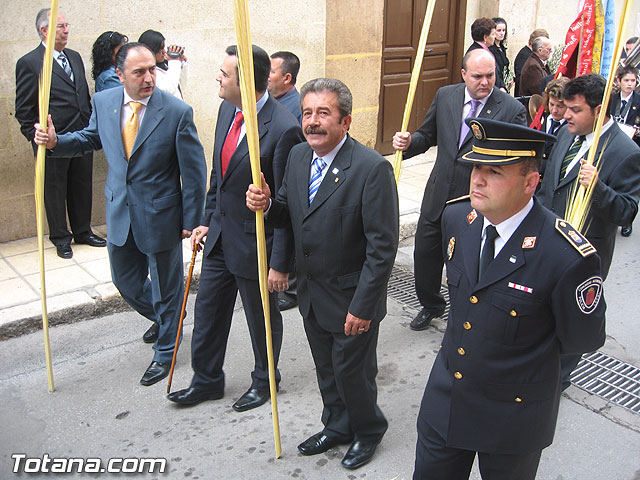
x,y
524,287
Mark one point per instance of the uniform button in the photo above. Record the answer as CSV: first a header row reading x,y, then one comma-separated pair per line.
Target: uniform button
x,y
462,351
222,212
466,325
306,253
473,299
458,375
513,313
518,400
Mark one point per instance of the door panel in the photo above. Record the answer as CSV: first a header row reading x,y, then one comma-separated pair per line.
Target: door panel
x,y
441,65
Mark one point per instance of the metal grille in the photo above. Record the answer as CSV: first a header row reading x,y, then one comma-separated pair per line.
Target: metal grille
x,y
402,288
609,378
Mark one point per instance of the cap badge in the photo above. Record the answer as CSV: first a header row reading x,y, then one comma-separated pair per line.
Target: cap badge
x,y
478,131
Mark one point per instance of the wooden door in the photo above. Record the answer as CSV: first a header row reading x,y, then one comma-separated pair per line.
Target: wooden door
x,y
441,65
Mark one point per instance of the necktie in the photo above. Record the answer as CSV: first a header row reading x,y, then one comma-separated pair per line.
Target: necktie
x,y
231,142
488,251
571,154
464,129
65,65
623,104
316,177
555,124
130,129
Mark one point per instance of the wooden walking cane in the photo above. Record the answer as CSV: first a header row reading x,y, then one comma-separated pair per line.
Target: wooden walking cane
x,y
248,95
44,91
415,75
184,307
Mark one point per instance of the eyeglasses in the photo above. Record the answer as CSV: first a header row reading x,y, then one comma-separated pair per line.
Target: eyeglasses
x,y
63,25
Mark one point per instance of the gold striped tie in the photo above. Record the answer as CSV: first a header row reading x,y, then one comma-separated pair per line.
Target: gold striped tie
x,y
130,129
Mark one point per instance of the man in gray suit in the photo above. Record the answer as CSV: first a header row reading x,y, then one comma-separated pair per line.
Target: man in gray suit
x,y
444,126
616,174
155,191
340,198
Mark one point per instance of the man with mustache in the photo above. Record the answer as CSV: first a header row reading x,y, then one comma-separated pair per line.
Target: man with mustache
x,y
340,199
154,190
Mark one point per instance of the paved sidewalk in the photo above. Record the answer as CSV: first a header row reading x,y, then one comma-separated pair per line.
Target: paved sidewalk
x,y
81,288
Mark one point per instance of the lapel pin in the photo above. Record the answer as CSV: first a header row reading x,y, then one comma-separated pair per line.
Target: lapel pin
x,y
334,171
488,112
529,242
513,259
452,245
335,179
472,216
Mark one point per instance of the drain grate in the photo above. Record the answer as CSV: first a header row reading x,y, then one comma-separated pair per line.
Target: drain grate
x,y
402,288
597,373
609,378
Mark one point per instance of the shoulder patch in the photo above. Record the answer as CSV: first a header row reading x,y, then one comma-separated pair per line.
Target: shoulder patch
x,y
459,199
575,238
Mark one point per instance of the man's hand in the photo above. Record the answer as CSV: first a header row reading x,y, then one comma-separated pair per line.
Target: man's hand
x,y
49,138
258,199
278,281
401,141
198,236
355,325
588,174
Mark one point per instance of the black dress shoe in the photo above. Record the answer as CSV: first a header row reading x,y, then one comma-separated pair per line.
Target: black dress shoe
x,y
626,231
423,319
252,398
64,250
151,335
359,453
156,372
193,396
319,443
286,303
92,240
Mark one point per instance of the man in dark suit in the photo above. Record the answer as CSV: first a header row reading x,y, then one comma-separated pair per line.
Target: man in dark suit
x,y
615,173
522,56
524,287
68,181
443,126
340,198
535,68
230,262
155,191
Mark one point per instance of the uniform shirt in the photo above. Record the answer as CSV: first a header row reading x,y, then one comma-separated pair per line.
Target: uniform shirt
x,y
505,228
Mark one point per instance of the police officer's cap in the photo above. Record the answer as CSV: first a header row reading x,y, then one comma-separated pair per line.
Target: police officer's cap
x,y
501,143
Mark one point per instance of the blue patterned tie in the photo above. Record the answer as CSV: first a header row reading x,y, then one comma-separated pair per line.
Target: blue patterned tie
x,y
316,177
65,65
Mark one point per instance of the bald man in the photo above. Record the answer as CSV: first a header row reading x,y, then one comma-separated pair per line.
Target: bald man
x,y
444,126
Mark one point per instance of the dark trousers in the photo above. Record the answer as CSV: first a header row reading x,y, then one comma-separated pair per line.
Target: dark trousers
x,y
436,461
428,263
157,296
68,187
346,368
212,322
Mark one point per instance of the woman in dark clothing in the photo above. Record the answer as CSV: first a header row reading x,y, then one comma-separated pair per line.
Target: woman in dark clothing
x,y
103,57
499,50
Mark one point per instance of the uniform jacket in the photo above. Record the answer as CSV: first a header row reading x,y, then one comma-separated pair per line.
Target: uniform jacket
x,y
160,190
495,384
450,179
346,241
615,197
226,213
69,103
531,77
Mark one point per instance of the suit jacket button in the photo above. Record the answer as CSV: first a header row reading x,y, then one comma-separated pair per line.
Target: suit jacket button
x,y
518,400
473,299
461,351
466,326
306,253
458,375
222,212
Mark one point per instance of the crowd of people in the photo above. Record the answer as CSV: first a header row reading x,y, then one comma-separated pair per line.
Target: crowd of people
x,y
525,287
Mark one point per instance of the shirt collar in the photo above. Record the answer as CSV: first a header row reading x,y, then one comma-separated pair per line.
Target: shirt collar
x,y
259,104
628,97
507,227
128,99
605,127
328,158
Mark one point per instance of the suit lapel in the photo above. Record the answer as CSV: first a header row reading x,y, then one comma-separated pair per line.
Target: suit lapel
x,y
59,71
512,255
114,123
302,177
152,118
490,109
457,107
334,178
562,147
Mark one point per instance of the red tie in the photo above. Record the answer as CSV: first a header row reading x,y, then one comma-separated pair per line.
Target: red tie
x,y
231,141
